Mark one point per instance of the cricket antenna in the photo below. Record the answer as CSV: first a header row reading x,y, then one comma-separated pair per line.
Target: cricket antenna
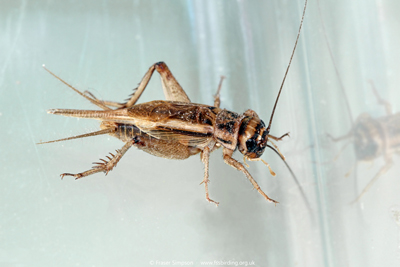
x,y
287,70
303,194
335,66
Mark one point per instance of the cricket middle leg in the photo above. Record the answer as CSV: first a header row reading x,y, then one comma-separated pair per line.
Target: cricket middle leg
x,y
205,158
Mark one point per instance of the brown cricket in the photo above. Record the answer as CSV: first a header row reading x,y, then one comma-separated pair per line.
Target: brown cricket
x,y
176,128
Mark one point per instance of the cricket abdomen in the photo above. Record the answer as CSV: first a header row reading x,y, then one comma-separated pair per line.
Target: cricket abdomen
x,y
126,132
169,149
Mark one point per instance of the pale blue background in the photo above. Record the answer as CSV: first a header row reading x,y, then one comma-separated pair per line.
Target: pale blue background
x,y
149,208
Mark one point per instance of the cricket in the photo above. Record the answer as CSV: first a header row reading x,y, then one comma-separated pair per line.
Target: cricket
x,y
176,128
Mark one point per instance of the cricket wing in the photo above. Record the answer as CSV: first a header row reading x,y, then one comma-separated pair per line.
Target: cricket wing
x,y
184,137
188,123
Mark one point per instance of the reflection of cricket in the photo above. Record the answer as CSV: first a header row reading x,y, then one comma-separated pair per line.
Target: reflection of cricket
x,y
372,137
375,137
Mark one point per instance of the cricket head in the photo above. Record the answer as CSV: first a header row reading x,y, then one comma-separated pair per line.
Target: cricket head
x,y
253,137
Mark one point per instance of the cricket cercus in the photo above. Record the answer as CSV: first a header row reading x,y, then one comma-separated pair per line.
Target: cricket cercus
x,y
176,128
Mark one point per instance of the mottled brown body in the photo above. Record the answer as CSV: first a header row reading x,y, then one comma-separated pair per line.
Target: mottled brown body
x,y
176,128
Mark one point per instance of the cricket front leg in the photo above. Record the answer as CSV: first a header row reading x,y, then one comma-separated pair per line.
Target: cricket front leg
x,y
205,158
238,166
104,166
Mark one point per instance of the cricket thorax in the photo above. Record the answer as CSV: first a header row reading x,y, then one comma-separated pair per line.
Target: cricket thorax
x,y
227,128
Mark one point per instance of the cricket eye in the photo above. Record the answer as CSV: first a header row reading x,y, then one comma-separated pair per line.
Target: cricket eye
x,y
251,145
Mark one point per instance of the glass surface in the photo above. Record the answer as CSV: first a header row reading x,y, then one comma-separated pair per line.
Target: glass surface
x,y
151,210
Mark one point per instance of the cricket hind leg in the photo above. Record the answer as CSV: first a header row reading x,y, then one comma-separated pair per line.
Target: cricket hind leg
x,y
217,99
205,158
104,166
172,90
238,166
